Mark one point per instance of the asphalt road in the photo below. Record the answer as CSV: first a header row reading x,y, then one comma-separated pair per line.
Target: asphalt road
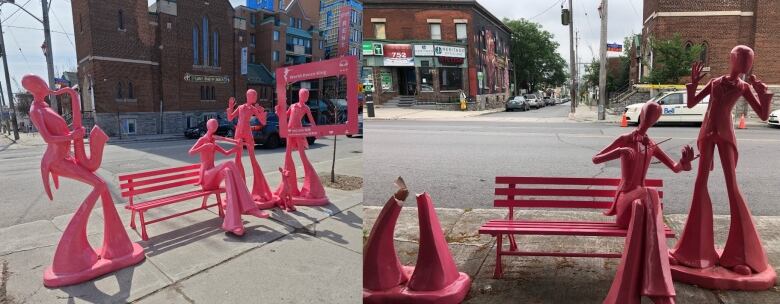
x,y
23,200
456,162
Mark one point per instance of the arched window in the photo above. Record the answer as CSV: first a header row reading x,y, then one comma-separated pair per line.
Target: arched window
x,y
121,20
208,93
205,28
130,91
215,61
688,45
202,93
703,54
119,90
195,43
213,94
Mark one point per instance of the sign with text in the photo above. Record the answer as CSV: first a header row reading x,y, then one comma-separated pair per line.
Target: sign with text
x,y
423,50
261,4
450,51
244,61
344,29
342,67
614,47
398,55
206,78
368,48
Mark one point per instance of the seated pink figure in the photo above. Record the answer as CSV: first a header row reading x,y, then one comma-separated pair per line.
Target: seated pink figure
x,y
285,196
75,260
238,200
312,193
644,267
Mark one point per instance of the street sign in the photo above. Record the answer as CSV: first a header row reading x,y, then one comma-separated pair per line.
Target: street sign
x,y
614,47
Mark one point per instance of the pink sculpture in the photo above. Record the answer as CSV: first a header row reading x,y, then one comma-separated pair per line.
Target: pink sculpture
x,y
743,263
75,261
238,200
285,195
644,266
243,137
434,278
312,193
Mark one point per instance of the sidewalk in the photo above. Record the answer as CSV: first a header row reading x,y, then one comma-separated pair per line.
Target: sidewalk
x,y
392,113
311,255
556,280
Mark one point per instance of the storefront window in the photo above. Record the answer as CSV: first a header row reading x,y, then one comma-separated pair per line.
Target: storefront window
x,y
450,79
426,80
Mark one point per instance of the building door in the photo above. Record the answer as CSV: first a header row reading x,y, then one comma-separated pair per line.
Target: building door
x,y
407,81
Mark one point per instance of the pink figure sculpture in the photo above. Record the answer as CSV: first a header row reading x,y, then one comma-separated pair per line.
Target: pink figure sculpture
x,y
238,200
243,137
743,262
75,261
644,266
285,196
433,279
312,193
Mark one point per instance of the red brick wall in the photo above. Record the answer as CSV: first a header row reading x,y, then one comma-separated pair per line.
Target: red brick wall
x,y
767,40
412,24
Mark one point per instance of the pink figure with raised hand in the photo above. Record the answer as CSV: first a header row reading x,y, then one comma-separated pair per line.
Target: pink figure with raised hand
x,y
75,261
644,266
312,193
743,260
238,200
243,137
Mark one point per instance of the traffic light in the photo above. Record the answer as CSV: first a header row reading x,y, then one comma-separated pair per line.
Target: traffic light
x,y
565,16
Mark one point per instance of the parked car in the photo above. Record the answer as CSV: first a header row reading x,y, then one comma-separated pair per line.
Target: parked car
x,y
774,118
548,101
268,135
226,128
533,101
517,103
360,125
675,108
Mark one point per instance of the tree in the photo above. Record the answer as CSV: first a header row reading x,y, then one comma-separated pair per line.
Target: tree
x,y
672,59
23,103
534,58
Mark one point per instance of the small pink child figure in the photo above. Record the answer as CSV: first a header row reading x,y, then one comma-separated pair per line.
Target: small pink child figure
x,y
285,195
238,200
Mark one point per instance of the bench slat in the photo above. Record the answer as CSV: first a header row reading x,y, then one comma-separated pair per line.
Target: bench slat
x,y
157,172
558,228
151,181
154,203
583,181
556,192
553,204
191,181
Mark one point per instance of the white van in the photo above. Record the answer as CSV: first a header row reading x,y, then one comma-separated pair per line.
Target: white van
x,y
675,108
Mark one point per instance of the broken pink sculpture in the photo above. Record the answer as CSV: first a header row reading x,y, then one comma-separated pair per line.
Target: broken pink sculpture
x,y
75,261
312,193
433,279
238,200
743,262
644,266
243,137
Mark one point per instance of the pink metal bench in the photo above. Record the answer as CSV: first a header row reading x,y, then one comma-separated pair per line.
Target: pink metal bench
x,y
145,182
555,192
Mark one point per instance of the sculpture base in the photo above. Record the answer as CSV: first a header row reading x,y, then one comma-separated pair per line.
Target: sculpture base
x,y
304,201
101,267
264,205
454,293
724,279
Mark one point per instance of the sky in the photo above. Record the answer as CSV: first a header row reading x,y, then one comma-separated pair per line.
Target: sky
x,y
24,35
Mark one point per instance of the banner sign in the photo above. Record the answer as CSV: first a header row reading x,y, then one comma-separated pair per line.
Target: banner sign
x,y
206,78
261,4
451,60
342,66
398,55
344,30
450,51
244,61
614,47
423,50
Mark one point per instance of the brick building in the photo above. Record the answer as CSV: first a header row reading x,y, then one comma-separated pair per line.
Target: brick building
x,y
429,51
718,26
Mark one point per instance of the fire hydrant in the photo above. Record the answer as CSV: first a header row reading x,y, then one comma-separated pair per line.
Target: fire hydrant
x,y
462,103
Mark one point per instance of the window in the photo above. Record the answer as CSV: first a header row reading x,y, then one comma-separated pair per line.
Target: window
x,y
426,80
292,22
205,28
672,99
450,79
252,57
81,25
435,31
321,44
252,39
215,61
276,56
195,43
281,5
703,54
276,36
460,32
299,23
121,20
252,19
130,91
207,93
128,126
379,31
119,95
202,93
213,94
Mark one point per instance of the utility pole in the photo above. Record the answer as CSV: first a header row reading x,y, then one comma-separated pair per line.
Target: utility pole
x,y
12,108
3,123
572,61
603,63
49,54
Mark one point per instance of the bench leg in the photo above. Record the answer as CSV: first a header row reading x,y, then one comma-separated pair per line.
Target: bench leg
x,y
132,219
203,204
512,242
498,272
143,226
219,205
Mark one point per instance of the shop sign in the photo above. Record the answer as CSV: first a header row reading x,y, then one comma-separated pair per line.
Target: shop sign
x,y
206,78
480,77
423,50
387,81
450,60
368,48
398,55
244,64
344,30
450,51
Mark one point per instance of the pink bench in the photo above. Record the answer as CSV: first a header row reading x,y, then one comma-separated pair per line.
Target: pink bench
x,y
555,192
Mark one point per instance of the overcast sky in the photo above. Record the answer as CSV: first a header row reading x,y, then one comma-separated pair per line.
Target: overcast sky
x,y
23,34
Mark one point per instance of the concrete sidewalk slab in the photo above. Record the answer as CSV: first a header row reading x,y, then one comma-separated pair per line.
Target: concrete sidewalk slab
x,y
343,229
28,236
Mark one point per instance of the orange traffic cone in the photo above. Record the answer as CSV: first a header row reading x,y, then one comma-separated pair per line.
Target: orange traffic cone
x,y
742,122
623,121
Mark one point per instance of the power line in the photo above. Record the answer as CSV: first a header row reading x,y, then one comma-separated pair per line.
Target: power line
x,y
36,29
62,27
547,9
16,11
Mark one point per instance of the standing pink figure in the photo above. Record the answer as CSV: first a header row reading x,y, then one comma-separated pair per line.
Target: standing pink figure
x,y
261,192
238,200
744,258
644,266
312,193
75,261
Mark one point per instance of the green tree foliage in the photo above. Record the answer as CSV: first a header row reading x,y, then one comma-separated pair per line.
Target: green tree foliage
x,y
23,103
534,58
672,59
